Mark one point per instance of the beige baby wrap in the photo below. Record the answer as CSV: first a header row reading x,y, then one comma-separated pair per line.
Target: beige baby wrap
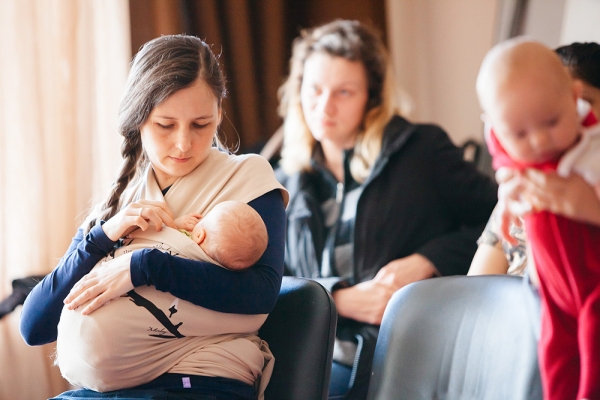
x,y
138,337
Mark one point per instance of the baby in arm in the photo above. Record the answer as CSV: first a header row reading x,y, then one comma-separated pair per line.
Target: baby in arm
x,y
530,103
137,337
233,234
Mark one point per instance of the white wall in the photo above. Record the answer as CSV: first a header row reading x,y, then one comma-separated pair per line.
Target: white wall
x,y
437,47
581,21
544,21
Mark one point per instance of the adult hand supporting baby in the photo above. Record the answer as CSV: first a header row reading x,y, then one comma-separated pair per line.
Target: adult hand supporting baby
x,y
105,282
571,197
521,192
140,214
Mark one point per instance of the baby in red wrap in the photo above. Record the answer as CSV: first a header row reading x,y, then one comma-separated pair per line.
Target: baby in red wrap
x,y
530,106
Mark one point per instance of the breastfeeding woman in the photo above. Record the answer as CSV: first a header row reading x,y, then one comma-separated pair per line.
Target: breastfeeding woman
x,y
376,202
169,119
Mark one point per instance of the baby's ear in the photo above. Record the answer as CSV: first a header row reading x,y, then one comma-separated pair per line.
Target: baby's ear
x,y
199,236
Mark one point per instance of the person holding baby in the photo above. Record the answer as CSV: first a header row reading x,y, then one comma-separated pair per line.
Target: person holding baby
x,y
530,104
196,321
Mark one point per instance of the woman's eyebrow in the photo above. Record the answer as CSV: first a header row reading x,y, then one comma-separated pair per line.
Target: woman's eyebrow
x,y
169,117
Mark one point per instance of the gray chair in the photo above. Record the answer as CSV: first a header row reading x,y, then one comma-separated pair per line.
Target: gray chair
x,y
300,332
459,338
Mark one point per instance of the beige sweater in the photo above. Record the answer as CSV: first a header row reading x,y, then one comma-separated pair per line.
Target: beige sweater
x,y
138,337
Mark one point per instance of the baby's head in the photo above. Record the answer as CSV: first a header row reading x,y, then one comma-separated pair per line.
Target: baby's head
x,y
233,234
529,100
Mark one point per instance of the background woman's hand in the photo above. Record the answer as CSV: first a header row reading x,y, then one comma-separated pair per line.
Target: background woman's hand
x,y
104,283
366,301
140,214
399,273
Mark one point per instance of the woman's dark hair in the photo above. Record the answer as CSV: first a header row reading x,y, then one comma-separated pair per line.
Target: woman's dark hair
x,y
583,61
162,67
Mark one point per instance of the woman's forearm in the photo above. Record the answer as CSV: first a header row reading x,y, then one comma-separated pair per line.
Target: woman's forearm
x,y
488,260
43,306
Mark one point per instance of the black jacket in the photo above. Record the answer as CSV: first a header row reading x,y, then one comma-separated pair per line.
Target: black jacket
x,y
421,197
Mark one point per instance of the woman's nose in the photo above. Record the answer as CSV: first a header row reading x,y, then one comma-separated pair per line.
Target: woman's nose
x,y
325,103
183,139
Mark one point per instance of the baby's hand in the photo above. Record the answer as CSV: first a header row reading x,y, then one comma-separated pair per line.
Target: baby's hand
x,y
512,204
187,222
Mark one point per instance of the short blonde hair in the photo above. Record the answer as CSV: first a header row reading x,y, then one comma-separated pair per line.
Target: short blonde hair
x,y
354,42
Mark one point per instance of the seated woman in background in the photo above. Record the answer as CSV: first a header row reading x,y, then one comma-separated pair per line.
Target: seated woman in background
x,y
376,202
503,250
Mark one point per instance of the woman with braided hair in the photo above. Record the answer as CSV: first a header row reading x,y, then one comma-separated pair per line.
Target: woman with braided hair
x,y
173,165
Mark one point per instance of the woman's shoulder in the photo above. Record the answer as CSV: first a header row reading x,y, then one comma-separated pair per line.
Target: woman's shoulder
x,y
249,160
398,124
399,131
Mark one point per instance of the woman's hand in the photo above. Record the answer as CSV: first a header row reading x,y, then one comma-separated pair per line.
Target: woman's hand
x,y
104,283
520,193
366,301
571,197
399,273
140,214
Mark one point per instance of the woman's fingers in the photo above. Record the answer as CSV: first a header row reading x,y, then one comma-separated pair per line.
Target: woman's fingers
x,y
157,205
140,214
155,212
108,281
82,292
95,304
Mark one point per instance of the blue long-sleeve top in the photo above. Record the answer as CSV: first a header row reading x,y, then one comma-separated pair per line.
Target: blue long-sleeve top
x,y
252,291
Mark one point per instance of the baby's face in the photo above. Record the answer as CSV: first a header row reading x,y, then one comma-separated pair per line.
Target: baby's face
x,y
534,123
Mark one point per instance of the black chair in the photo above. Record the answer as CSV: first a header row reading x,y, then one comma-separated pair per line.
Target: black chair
x,y
300,332
459,338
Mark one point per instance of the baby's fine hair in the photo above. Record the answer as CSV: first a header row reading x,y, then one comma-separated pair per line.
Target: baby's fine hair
x,y
241,239
582,61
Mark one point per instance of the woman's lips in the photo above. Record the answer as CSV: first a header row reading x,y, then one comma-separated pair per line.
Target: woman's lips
x,y
180,160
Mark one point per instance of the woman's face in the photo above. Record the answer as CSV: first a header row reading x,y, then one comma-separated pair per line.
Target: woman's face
x,y
178,133
334,95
